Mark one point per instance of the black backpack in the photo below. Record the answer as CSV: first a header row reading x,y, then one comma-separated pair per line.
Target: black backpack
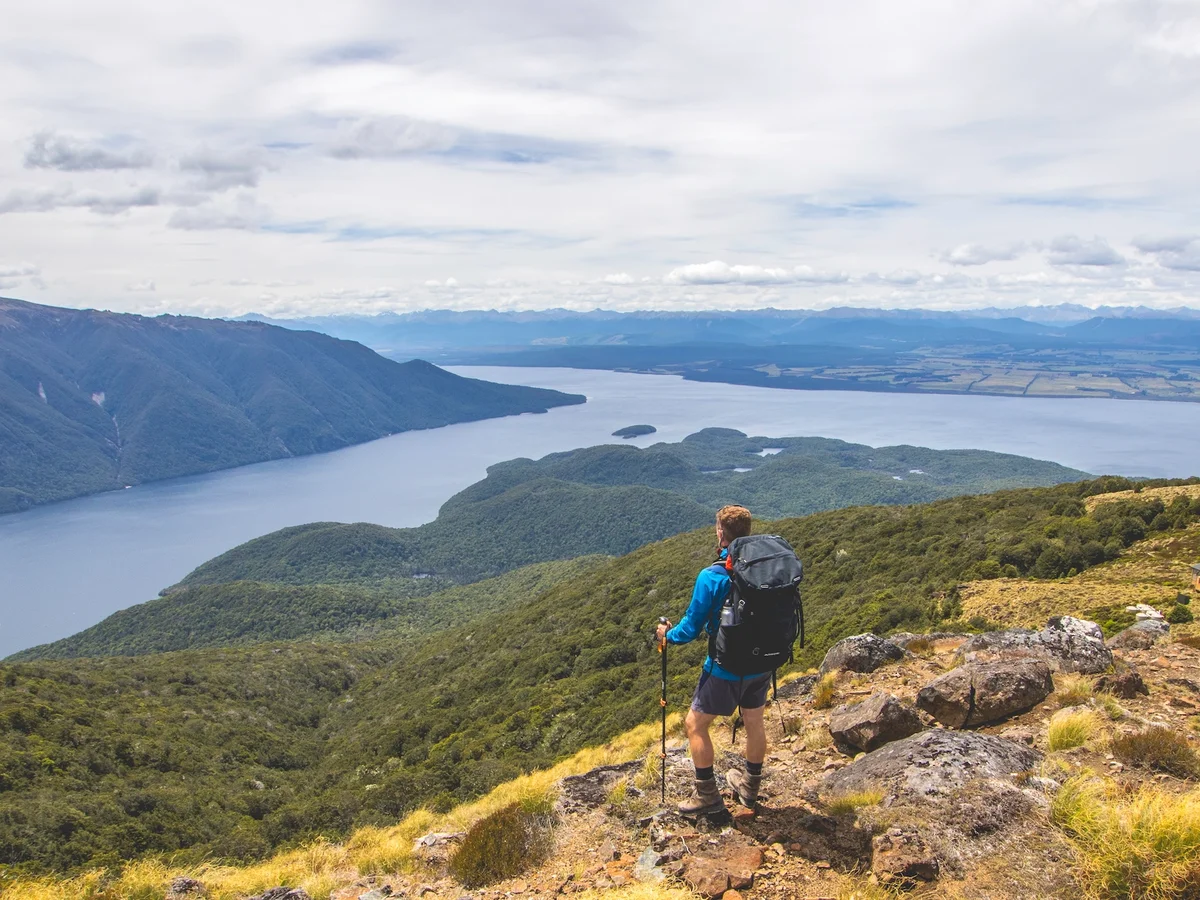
x,y
762,616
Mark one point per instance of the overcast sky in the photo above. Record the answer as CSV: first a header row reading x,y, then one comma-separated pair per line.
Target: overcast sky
x,y
304,157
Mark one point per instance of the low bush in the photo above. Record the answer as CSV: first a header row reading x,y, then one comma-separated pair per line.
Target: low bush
x,y
1141,847
1072,729
505,843
1180,615
1158,748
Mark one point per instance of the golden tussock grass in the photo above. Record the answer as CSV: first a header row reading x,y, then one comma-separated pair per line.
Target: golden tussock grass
x,y
845,804
1072,728
1073,690
1016,602
1165,494
322,867
1143,845
824,692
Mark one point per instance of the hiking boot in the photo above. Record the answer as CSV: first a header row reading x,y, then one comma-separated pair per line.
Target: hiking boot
x,y
745,787
705,800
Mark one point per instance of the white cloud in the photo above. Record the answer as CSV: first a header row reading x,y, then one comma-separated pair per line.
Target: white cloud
x,y
978,254
717,272
48,150
104,203
528,147
217,170
1070,250
243,214
389,137
1180,253
618,278
138,287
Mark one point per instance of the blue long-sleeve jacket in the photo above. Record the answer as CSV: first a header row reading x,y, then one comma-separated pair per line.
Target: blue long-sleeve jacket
x,y
704,614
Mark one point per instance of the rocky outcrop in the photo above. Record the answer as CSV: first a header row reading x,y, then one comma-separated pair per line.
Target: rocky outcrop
x,y
860,653
712,874
1066,644
878,720
935,762
979,693
1125,682
283,893
1142,635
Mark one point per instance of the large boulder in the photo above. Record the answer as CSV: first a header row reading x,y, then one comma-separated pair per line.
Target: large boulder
x,y
860,653
979,693
878,720
1142,635
1067,644
936,762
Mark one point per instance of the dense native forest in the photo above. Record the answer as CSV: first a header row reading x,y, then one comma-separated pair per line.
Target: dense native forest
x,y
234,751
93,401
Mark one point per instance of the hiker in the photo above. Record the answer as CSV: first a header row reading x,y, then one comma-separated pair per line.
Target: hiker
x,y
720,692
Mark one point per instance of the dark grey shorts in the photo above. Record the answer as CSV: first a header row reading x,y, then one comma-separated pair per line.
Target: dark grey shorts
x,y
719,697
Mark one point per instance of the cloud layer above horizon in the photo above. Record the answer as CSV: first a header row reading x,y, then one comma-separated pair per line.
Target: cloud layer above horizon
x,y
313,158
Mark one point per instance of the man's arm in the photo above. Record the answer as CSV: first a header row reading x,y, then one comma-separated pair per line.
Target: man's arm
x,y
705,595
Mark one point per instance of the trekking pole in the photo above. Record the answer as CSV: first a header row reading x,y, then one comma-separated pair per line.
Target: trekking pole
x,y
662,649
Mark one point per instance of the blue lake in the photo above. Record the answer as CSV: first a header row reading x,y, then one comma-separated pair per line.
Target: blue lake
x,y
66,566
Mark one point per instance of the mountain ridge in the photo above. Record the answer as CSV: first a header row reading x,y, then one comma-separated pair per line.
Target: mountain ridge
x,y
93,401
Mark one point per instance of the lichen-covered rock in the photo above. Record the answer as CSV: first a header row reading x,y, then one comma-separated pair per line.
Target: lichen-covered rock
x,y
982,692
860,653
1067,644
1142,635
878,720
934,762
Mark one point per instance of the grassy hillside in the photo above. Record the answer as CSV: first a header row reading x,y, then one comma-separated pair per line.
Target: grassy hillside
x,y
104,758
92,401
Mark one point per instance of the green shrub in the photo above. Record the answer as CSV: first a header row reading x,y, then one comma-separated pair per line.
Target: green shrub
x,y
1180,615
1158,748
504,844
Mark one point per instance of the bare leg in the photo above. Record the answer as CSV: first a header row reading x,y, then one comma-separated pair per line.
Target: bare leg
x,y
756,735
699,741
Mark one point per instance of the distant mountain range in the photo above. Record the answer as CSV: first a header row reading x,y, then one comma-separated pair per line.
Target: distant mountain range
x,y
93,401
1071,352
458,335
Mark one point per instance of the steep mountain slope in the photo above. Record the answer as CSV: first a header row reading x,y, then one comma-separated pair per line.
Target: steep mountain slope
x,y
232,752
92,401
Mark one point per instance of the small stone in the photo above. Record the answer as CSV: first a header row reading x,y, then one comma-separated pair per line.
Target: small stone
x,y
519,887
823,864
731,894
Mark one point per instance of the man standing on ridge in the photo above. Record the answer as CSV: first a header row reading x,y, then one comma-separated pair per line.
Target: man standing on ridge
x,y
720,692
